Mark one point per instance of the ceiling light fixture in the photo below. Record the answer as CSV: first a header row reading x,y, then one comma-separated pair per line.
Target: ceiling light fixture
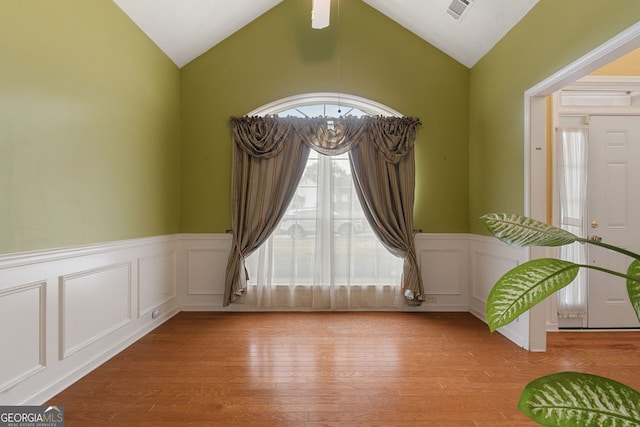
x,y
320,12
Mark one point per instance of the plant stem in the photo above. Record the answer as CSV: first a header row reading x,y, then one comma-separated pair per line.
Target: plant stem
x,y
606,270
610,247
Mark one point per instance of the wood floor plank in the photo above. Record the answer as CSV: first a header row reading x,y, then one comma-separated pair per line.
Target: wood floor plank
x,y
332,369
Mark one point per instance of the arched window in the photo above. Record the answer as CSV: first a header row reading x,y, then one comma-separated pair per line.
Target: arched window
x,y
324,255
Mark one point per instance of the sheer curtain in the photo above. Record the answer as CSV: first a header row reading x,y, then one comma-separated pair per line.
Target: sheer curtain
x,y
572,191
324,255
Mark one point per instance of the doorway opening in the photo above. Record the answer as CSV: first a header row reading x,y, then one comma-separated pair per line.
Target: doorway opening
x,y
537,203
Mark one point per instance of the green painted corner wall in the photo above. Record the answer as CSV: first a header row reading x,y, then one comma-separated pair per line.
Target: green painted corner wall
x,y
362,53
89,127
552,36
102,138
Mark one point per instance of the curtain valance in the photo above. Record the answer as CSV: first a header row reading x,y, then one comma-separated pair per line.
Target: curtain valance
x,y
261,137
264,137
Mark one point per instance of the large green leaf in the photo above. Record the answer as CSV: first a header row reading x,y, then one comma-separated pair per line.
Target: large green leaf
x,y
633,286
518,230
575,399
524,286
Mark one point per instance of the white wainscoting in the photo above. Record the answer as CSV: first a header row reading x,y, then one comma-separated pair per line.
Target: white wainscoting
x,y
22,315
159,274
64,312
443,260
203,258
458,271
93,304
489,260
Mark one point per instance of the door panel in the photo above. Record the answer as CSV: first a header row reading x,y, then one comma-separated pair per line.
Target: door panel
x,y
613,208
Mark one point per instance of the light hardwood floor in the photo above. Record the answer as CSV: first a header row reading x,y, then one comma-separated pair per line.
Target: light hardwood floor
x,y
332,369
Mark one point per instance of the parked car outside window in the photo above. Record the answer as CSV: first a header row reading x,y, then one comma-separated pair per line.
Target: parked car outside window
x,y
302,222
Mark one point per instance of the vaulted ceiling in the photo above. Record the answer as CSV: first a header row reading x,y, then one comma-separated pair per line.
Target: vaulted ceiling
x,y
184,29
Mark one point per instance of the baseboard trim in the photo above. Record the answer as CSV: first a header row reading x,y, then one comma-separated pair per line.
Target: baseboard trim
x,y
62,383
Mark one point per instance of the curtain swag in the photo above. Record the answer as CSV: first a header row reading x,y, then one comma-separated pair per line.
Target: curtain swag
x,y
265,178
265,136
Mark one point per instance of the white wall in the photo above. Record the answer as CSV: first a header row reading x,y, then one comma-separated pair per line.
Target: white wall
x,y
64,312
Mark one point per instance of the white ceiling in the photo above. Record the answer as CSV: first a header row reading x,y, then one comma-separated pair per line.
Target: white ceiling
x,y
185,29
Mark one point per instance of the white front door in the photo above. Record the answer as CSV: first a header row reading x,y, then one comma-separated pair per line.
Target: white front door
x,y
613,213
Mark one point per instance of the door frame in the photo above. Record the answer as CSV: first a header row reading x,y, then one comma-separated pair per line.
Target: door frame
x,y
535,146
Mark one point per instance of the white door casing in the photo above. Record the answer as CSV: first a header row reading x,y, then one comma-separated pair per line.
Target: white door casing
x,y
535,125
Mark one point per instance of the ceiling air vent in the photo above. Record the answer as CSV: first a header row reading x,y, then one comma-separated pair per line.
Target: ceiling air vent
x,y
457,8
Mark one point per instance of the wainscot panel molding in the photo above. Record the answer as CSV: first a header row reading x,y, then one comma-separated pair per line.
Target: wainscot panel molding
x,y
203,260
157,279
93,304
66,311
490,259
443,261
22,313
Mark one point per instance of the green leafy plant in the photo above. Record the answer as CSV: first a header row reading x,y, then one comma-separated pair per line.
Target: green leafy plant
x,y
566,398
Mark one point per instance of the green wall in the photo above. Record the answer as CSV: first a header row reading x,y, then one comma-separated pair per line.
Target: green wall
x,y
553,35
364,54
89,127
102,138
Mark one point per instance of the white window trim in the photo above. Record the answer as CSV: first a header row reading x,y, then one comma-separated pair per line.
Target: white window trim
x,y
368,106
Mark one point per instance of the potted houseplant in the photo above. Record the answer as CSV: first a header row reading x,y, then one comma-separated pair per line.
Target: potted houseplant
x,y
565,398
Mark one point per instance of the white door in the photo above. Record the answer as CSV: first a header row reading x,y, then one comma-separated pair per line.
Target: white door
x,y
613,213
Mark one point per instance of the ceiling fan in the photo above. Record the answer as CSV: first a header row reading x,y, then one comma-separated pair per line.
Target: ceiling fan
x,y
320,12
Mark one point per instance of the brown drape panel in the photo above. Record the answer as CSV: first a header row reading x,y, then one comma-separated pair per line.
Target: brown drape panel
x,y
270,154
265,178
383,170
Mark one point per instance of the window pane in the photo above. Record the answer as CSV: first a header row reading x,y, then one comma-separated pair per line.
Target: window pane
x,y
329,110
324,239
